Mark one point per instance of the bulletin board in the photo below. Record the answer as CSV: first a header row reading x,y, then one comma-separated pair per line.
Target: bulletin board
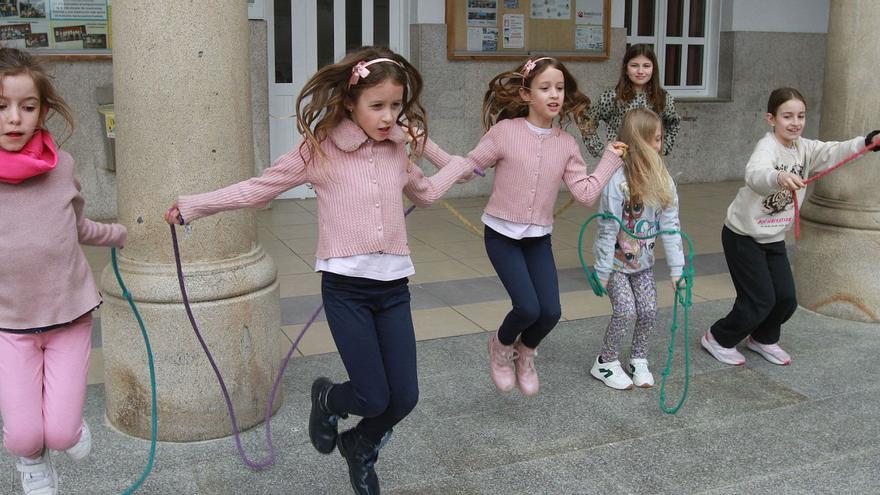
x,y
513,29
57,28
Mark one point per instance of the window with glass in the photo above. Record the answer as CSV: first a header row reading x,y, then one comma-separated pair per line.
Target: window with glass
x,y
684,35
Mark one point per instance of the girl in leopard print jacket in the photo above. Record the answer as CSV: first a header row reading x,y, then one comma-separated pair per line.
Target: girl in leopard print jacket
x,y
636,88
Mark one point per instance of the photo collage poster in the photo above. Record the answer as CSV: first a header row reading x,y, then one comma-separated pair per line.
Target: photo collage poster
x,y
77,26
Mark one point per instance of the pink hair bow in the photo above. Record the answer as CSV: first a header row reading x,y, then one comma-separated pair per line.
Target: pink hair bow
x,y
360,69
530,65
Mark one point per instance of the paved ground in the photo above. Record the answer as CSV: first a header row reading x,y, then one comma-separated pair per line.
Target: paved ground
x,y
807,428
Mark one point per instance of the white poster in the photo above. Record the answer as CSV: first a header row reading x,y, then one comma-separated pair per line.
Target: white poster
x,y
551,9
514,30
589,38
589,12
482,39
482,13
79,10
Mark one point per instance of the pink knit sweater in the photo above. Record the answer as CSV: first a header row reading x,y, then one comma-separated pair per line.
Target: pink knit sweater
x,y
45,279
528,169
358,188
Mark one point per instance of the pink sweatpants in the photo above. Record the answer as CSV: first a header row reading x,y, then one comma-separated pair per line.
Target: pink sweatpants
x,y
43,380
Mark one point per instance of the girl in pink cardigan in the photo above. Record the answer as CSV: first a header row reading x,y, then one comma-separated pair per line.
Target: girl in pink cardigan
x,y
47,292
354,155
523,111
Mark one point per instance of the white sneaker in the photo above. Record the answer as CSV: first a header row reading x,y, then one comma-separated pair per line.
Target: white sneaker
x,y
83,446
37,475
723,354
642,377
611,374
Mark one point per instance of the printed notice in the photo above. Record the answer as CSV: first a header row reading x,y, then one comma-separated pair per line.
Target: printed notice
x,y
514,31
589,12
589,38
482,13
482,39
551,9
79,10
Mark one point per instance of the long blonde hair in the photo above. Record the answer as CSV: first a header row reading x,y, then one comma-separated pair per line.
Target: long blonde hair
x,y
649,181
503,101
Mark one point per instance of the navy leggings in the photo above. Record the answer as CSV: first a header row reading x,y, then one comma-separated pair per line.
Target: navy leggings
x,y
528,272
372,327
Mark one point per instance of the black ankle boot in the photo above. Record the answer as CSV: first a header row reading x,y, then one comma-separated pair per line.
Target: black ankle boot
x,y
361,455
323,423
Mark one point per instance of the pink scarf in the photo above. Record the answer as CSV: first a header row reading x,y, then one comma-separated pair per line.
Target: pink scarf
x,y
37,157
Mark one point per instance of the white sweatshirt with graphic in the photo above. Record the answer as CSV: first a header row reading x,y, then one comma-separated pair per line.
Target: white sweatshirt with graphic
x,y
764,210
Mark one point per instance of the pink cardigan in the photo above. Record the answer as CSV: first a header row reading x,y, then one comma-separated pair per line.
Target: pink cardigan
x,y
529,169
45,279
358,188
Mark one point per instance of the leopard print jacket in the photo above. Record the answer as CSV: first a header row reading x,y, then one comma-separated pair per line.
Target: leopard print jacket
x,y
611,112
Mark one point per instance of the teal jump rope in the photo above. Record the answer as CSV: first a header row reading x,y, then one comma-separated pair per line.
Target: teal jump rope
x,y
683,294
154,423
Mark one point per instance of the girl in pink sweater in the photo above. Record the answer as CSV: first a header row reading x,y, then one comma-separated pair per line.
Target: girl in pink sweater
x,y
47,292
354,155
523,111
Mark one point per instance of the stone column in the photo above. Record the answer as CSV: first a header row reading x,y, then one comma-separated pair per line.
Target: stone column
x,y
183,105
836,263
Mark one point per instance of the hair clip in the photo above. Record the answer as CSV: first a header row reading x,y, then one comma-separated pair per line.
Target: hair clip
x,y
530,65
360,70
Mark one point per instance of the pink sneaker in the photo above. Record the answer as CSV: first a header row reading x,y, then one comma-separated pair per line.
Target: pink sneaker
x,y
501,359
526,374
723,354
770,352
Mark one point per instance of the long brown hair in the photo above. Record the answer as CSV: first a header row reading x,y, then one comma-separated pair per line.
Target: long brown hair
x,y
654,93
321,105
503,101
14,62
647,177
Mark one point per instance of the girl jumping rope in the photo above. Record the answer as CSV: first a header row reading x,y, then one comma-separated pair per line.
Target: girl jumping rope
x,y
523,111
643,196
753,236
636,88
47,292
354,154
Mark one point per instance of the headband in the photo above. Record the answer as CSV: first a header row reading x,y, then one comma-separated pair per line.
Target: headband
x,y
530,65
360,69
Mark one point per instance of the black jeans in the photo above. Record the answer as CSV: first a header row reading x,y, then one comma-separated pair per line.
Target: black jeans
x,y
765,292
528,272
372,327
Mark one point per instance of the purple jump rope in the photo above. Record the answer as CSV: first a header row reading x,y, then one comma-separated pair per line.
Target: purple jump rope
x,y
270,458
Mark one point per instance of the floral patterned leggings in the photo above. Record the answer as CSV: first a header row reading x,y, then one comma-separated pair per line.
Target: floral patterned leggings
x,y
633,298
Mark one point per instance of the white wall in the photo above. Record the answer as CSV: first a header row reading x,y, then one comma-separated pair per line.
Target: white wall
x,y
780,16
429,11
